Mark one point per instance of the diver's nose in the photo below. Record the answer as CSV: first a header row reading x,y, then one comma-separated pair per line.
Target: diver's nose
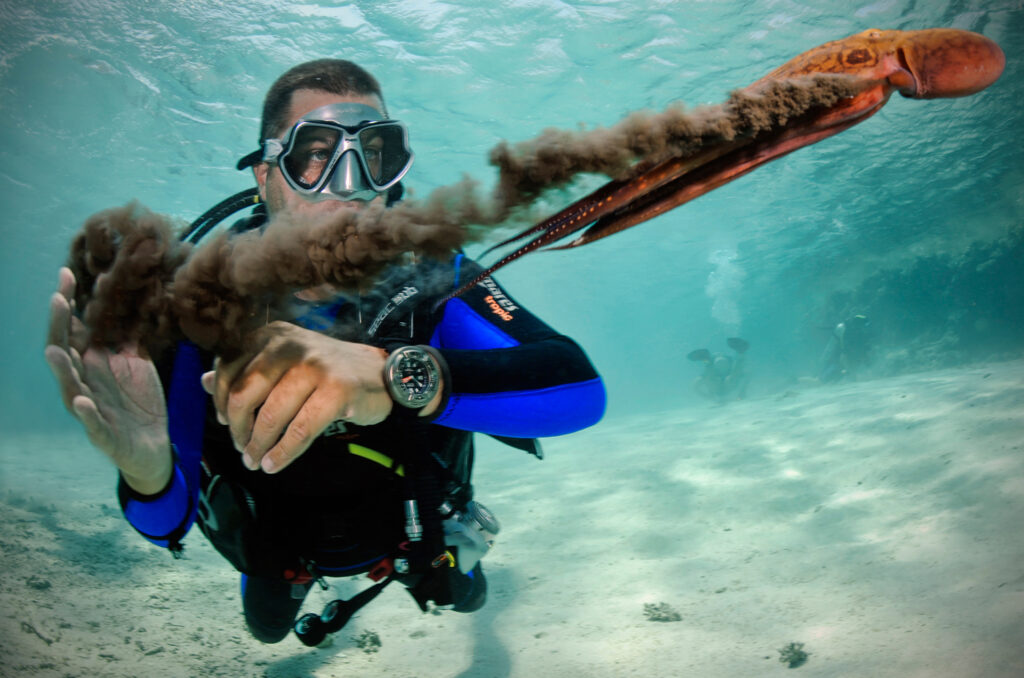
x,y
348,181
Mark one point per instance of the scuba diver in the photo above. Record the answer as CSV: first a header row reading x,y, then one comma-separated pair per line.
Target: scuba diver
x,y
723,375
341,443
847,350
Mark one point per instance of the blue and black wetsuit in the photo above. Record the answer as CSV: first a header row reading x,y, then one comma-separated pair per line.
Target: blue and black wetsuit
x,y
337,509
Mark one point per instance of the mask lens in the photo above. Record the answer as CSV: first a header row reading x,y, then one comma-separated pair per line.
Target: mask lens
x,y
310,154
385,151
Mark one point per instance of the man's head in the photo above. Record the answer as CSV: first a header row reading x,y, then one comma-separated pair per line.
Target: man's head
x,y
323,134
334,76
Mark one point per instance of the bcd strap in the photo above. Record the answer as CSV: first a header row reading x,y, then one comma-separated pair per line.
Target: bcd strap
x,y
428,557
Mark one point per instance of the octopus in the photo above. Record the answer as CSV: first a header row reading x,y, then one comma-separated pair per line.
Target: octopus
x,y
872,65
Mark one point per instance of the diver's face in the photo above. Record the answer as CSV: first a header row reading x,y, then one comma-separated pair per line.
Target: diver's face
x,y
275,191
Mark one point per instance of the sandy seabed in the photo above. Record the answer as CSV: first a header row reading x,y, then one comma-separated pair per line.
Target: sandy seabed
x,y
880,523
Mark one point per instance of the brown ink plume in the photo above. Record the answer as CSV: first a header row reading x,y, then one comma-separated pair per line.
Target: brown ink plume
x,y
137,281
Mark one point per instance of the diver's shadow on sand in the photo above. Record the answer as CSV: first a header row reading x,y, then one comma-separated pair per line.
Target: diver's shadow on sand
x,y
490,657
303,663
113,553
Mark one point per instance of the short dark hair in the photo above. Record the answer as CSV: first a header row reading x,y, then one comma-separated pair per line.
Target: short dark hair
x,y
330,75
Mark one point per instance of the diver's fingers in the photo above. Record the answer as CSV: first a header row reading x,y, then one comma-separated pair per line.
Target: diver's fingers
x,y
57,334
241,386
68,376
247,394
76,361
271,351
78,336
223,373
229,376
77,397
209,384
96,428
316,414
65,329
278,412
66,283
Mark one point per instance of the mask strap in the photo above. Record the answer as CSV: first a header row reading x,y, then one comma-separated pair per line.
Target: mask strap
x,y
252,159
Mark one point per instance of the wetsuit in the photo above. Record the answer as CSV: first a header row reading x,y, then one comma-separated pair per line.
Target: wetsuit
x,y
337,509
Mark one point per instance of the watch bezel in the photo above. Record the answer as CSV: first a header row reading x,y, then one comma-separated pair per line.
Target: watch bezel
x,y
399,393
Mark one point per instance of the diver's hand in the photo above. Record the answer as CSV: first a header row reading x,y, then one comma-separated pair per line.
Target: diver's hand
x,y
280,395
115,394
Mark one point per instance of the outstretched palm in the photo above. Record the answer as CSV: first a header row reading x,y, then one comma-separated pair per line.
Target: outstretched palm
x,y
115,394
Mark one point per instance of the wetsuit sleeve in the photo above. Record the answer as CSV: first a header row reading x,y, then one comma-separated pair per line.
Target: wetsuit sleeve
x,y
511,374
164,518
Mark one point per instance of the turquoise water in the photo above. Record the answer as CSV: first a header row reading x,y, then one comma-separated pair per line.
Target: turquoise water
x,y
105,102
914,217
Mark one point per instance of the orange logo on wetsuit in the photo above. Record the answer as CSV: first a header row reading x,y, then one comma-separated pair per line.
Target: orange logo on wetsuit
x,y
501,305
497,310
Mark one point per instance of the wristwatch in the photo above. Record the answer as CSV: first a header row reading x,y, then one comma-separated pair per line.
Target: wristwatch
x,y
412,375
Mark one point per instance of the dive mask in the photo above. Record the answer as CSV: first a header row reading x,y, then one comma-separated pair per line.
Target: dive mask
x,y
342,152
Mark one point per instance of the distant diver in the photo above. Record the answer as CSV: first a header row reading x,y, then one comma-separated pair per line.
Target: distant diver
x,y
724,376
847,350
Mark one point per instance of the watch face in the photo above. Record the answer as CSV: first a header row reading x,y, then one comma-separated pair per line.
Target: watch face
x,y
413,377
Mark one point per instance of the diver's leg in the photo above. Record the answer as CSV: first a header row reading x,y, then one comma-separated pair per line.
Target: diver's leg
x,y
741,391
739,376
830,369
700,387
718,389
271,605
